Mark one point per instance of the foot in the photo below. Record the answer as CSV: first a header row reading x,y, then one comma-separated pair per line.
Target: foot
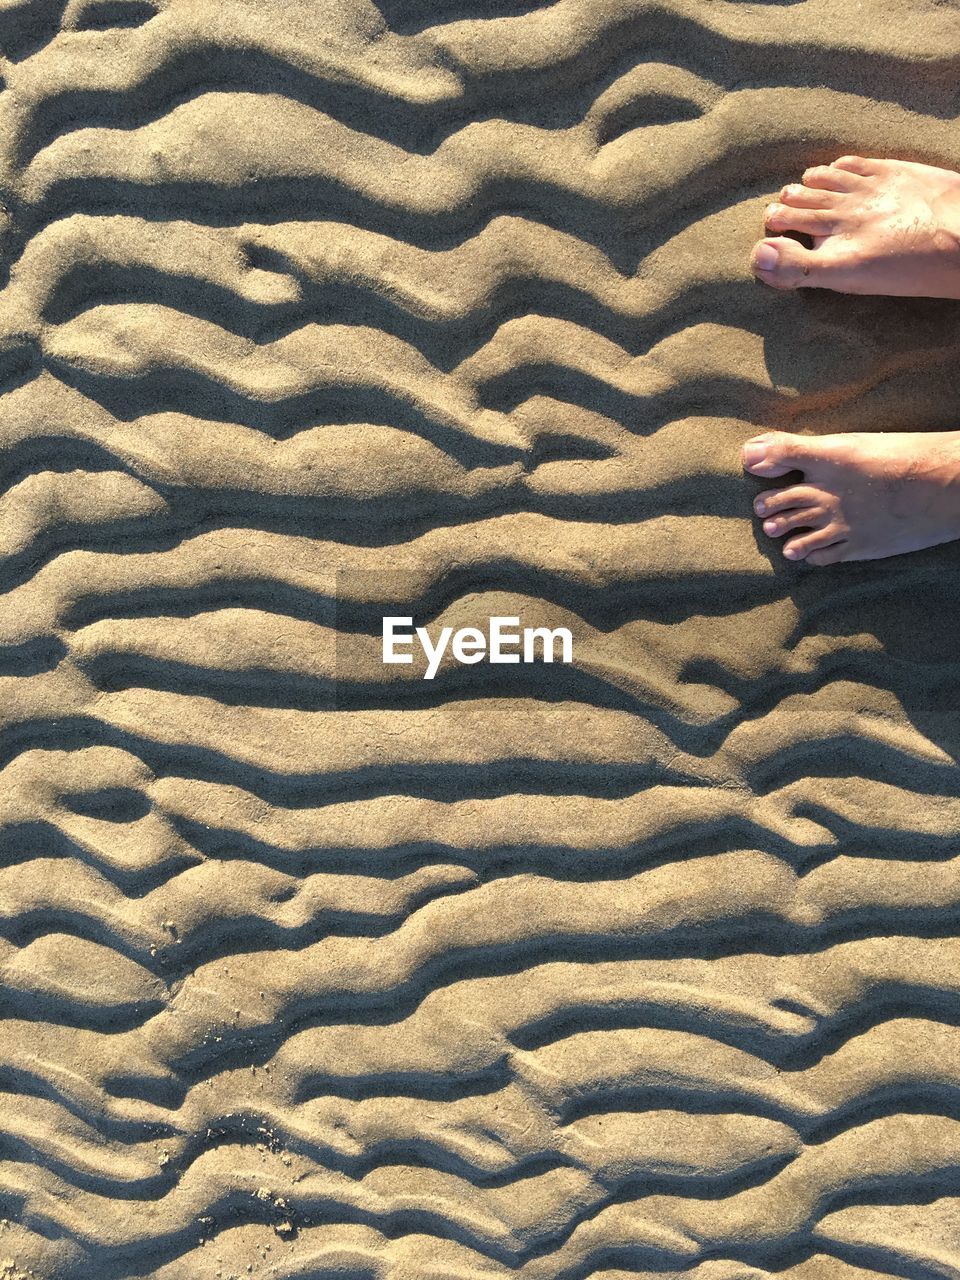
x,y
862,496
878,226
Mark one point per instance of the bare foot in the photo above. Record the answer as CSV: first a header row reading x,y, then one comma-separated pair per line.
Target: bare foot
x,y
863,496
878,226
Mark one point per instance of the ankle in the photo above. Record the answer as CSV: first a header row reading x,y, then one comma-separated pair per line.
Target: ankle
x,y
945,461
948,236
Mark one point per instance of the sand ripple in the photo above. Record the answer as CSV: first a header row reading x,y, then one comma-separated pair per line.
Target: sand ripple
x,y
647,967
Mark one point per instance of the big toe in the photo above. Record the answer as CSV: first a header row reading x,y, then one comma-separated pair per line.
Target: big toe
x,y
783,263
771,454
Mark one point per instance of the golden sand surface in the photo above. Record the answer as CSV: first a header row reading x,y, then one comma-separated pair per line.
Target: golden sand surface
x,y
648,966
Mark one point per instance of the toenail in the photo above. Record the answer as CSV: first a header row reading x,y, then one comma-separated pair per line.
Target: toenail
x,y
769,526
791,552
760,506
765,257
773,210
754,453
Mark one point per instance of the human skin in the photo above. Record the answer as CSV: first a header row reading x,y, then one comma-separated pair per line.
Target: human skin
x,y
877,227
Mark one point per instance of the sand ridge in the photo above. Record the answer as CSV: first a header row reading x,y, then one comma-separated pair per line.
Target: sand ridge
x,y
645,967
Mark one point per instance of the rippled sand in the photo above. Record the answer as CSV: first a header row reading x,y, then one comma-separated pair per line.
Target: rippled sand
x,y
645,967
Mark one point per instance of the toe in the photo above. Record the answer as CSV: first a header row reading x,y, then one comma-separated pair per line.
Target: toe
x,y
771,455
829,178
815,222
801,197
798,548
784,263
828,555
802,518
861,165
773,501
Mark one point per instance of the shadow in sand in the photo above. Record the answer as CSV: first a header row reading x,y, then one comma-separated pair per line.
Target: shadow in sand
x,y
847,363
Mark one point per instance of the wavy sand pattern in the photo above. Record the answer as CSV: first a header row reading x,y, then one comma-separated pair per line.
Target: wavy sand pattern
x,y
647,967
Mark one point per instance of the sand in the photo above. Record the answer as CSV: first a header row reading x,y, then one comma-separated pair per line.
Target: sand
x,y
646,966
